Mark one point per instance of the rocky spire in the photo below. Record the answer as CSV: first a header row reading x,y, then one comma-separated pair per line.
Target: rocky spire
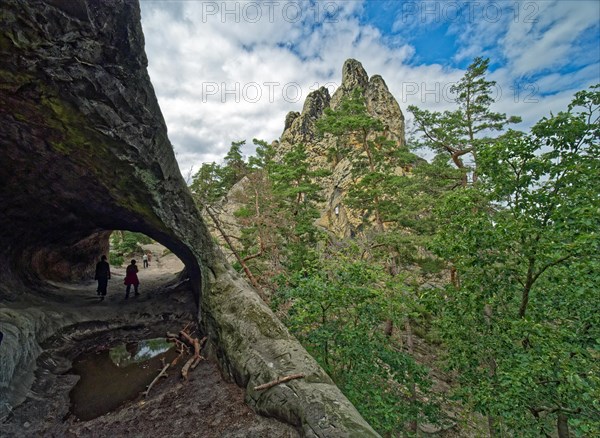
x,y
300,128
383,106
353,76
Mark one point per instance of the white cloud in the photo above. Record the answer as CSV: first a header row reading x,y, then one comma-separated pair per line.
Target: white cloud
x,y
224,73
549,39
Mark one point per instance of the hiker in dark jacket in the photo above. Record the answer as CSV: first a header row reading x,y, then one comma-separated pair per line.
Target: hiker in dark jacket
x,y
102,275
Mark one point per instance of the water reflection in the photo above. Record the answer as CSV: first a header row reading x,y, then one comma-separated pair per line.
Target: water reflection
x,y
126,354
111,377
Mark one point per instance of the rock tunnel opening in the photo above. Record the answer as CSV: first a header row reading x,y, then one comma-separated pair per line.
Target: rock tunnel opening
x,y
85,151
50,293
70,255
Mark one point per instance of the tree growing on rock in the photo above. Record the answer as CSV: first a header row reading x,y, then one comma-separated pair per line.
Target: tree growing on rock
x,y
460,134
210,185
382,192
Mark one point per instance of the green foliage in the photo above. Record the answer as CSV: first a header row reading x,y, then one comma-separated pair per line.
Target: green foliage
x,y
462,132
337,313
350,120
212,181
207,184
235,167
297,194
264,157
126,244
522,328
519,324
115,259
277,213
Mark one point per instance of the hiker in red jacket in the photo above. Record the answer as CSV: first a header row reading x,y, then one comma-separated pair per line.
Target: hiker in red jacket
x,y
131,278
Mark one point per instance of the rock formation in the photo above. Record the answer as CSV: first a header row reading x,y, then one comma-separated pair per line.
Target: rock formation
x,y
301,128
84,151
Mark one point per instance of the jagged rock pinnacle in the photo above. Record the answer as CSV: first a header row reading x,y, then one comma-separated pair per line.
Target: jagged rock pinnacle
x,y
300,128
354,75
383,106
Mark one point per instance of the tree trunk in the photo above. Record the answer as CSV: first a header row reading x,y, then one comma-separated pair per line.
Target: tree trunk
x,y
488,312
412,425
388,329
527,288
461,166
492,426
235,252
562,424
454,277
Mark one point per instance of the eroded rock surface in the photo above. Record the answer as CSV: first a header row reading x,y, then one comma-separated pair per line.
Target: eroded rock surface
x,y
84,151
301,128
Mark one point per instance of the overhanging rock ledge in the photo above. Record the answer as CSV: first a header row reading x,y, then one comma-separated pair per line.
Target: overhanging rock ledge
x,y
84,150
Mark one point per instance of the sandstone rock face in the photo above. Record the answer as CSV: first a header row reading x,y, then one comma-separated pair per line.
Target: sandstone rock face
x,y
301,128
84,151
353,76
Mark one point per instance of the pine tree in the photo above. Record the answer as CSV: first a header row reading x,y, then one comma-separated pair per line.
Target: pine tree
x,y
298,194
462,132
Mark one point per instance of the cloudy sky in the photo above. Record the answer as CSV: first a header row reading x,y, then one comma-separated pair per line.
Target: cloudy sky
x,y
229,71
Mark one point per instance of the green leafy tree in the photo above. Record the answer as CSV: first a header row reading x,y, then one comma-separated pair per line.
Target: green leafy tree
x,y
358,137
235,167
298,194
383,188
126,244
277,213
208,185
522,327
462,132
212,181
336,313
264,156
392,188
259,220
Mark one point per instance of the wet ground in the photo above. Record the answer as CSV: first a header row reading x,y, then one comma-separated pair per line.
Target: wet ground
x,y
205,405
111,377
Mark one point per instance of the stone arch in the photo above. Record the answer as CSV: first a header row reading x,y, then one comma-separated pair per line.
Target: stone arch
x,y
84,150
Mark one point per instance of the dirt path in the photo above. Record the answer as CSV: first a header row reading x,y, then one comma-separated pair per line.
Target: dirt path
x,y
203,406
162,269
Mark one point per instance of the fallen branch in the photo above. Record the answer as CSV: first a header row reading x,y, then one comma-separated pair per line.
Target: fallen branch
x,y
163,373
196,362
186,367
186,337
179,356
186,326
279,381
193,361
181,347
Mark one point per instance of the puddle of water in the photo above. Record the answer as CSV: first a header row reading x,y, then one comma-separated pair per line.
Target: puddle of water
x,y
126,354
111,377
